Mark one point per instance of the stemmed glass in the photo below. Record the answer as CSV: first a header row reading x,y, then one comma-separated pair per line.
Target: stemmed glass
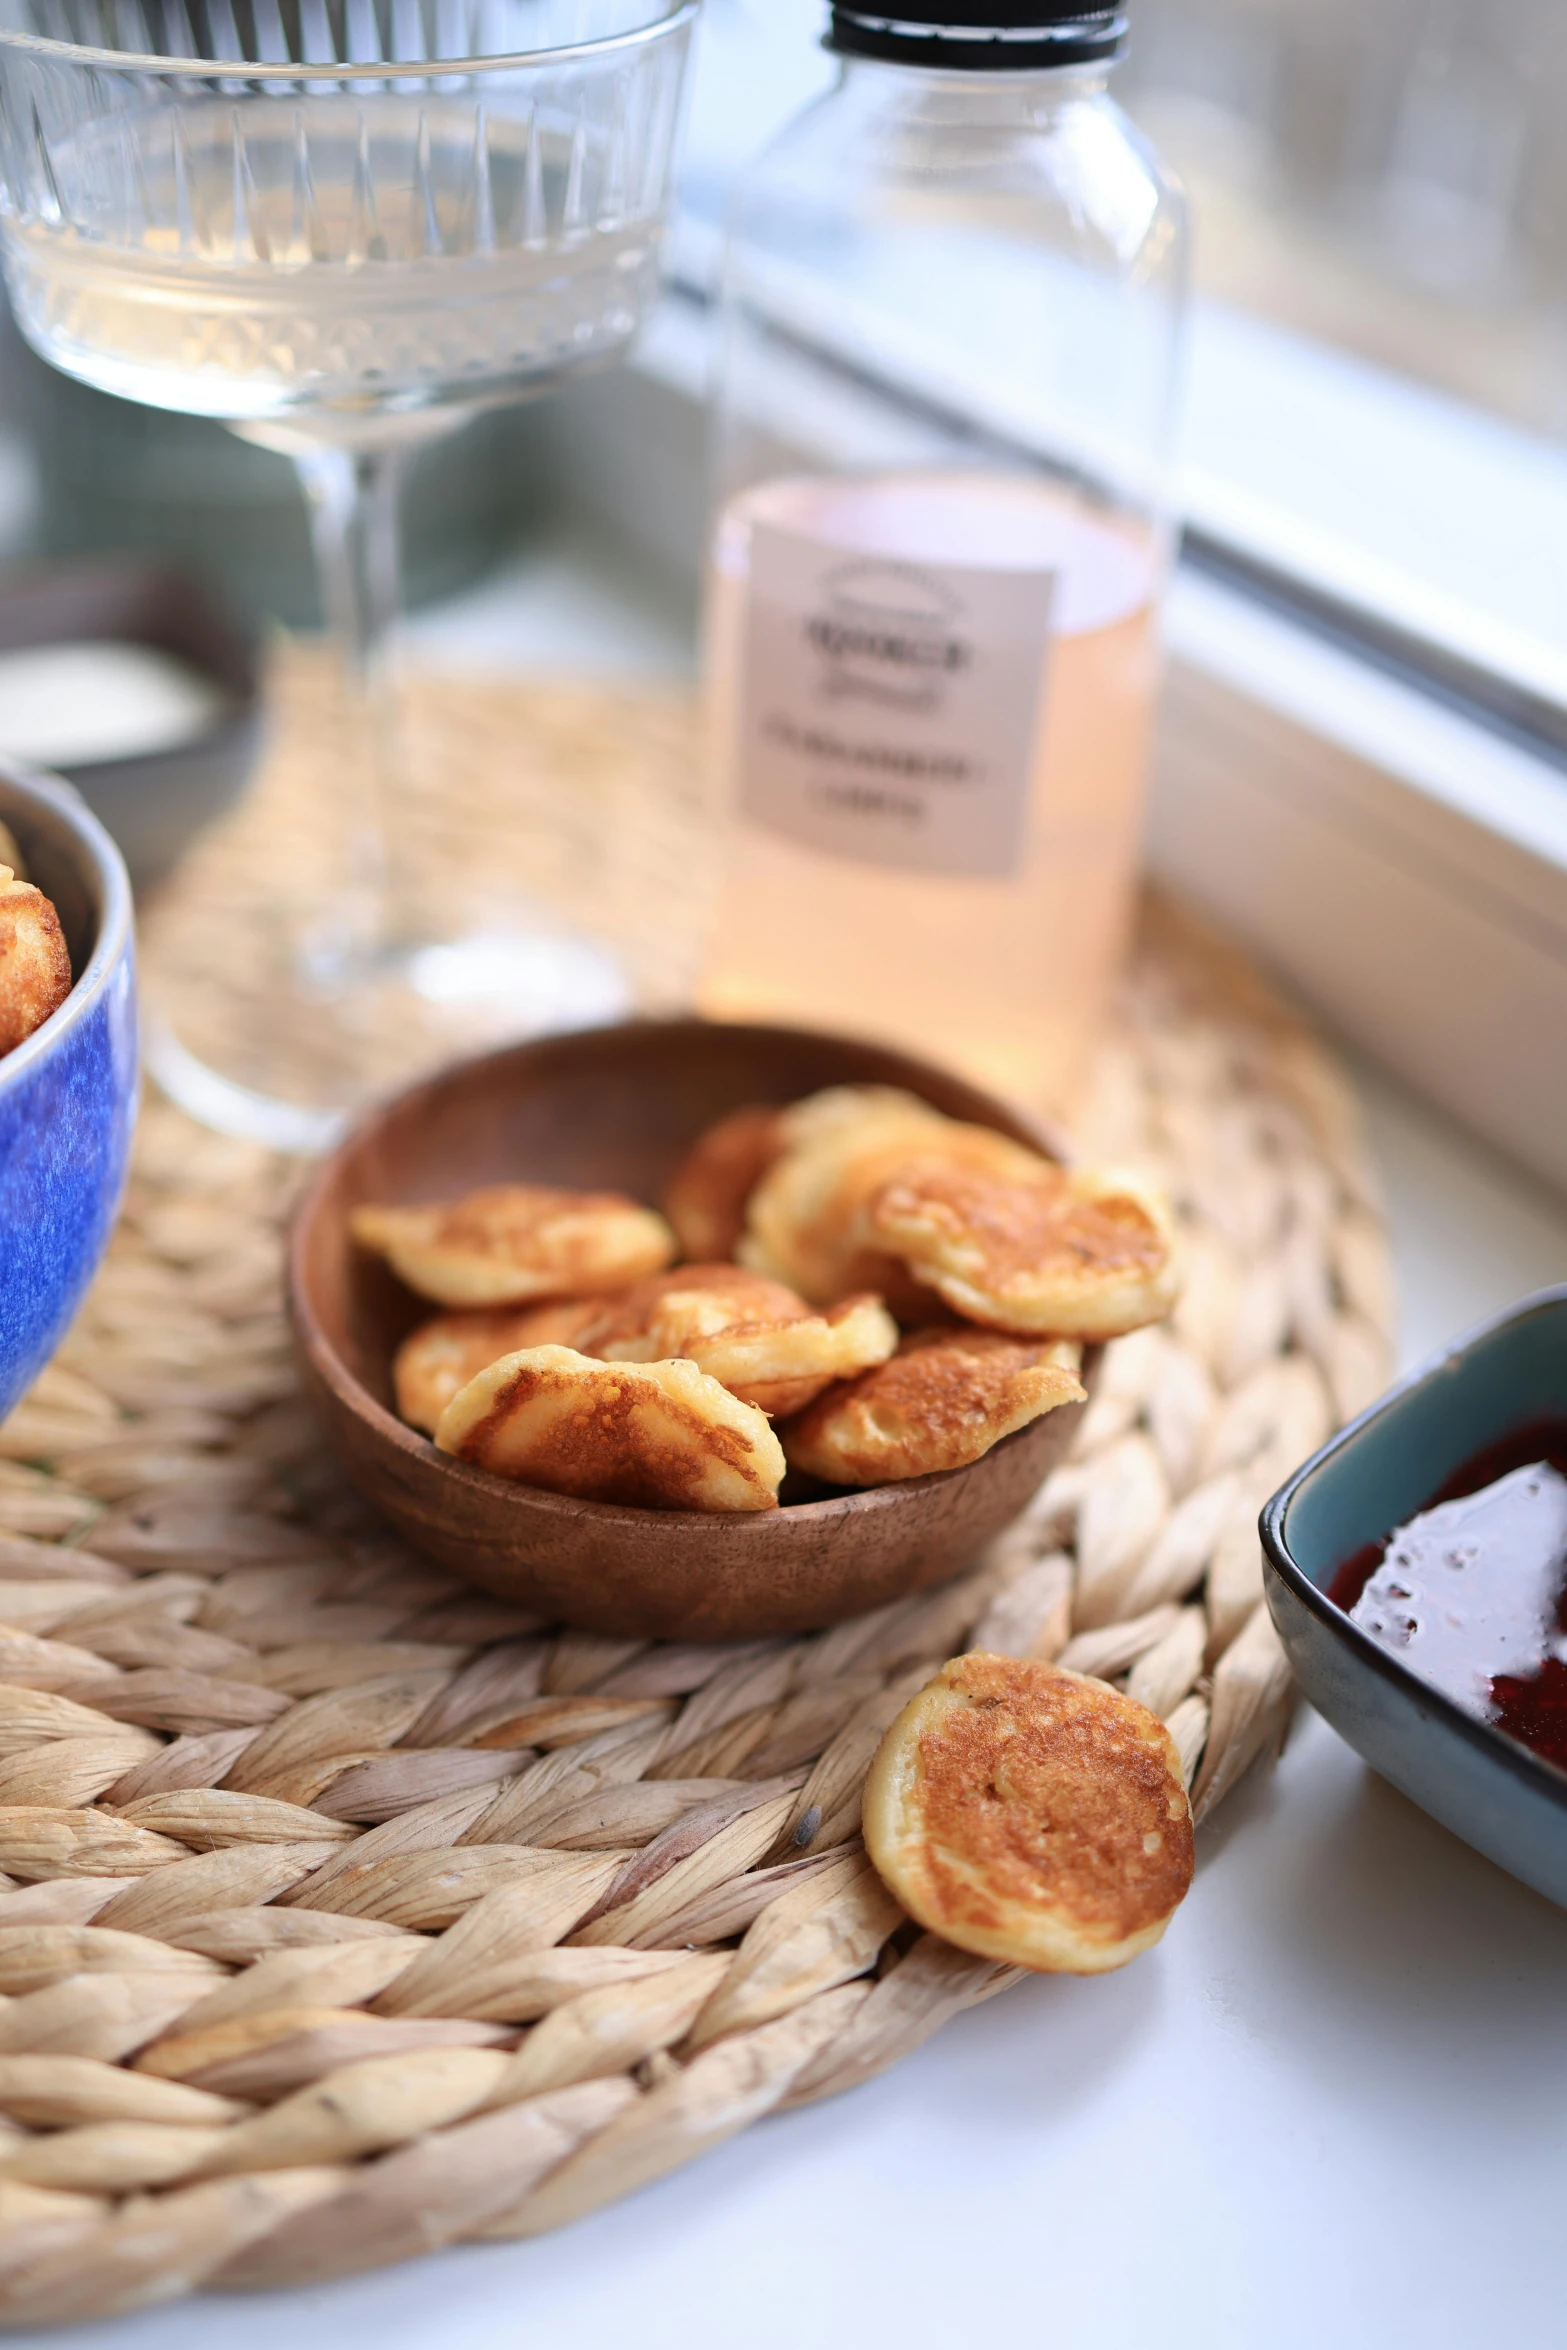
x,y
343,226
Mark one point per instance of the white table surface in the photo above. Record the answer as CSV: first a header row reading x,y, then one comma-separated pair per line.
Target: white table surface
x,y
1328,2110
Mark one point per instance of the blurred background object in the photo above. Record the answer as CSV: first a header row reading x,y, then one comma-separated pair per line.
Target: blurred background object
x,y
1388,178
84,473
131,681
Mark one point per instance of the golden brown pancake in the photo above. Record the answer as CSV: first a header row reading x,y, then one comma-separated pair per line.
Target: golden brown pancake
x,y
443,1354
706,1196
1086,1254
803,1220
755,1336
629,1311
659,1436
517,1241
797,1215
35,964
944,1399
1031,1815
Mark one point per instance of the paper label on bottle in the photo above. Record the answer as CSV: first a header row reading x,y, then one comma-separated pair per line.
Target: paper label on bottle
x,y
890,710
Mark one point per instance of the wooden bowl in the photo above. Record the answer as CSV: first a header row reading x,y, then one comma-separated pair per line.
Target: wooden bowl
x,y
616,1108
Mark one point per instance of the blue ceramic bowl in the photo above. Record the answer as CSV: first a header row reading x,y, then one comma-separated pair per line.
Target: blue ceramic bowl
x,y
1374,1476
68,1094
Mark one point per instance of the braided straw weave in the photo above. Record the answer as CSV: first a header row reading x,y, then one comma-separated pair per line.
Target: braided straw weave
x,y
347,1912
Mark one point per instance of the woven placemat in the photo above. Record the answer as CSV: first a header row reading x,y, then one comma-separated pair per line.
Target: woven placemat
x,y
348,1912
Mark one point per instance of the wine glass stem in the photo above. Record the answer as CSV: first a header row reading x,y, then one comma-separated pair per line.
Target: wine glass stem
x,y
353,498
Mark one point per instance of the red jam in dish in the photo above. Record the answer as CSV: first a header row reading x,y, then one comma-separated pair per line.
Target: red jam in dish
x,y
1471,1594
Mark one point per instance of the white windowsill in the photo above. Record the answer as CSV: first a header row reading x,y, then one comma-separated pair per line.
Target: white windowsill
x,y
1456,761
1433,517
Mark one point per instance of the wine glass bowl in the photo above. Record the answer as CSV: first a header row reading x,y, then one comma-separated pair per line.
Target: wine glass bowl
x,y
388,219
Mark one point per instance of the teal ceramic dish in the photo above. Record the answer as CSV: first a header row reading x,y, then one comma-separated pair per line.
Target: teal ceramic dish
x,y
68,1092
1507,1802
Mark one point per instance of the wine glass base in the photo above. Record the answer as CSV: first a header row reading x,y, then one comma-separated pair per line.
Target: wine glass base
x,y
294,1073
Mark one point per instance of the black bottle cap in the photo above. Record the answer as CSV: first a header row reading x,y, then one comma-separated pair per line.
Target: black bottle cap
x,y
979,36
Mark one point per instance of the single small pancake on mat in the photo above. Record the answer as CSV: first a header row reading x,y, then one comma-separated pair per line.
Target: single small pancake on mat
x,y
443,1354
944,1399
1085,1253
35,963
516,1241
755,1336
803,1219
706,1195
1031,1815
657,1436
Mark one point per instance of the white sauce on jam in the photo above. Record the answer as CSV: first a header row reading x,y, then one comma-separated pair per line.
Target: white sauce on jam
x,y
1469,1590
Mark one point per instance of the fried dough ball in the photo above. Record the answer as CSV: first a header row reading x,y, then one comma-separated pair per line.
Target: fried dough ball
x,y
443,1354
706,1195
944,1399
755,1336
1085,1254
35,963
803,1224
516,1241
1031,1815
659,1436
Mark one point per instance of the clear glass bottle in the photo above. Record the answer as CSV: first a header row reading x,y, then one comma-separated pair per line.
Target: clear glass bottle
x,y
952,303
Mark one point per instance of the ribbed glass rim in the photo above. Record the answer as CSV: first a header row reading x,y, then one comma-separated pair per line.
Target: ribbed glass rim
x,y
280,69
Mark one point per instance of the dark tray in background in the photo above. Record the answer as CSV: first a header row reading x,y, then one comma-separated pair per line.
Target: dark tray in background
x,y
154,802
